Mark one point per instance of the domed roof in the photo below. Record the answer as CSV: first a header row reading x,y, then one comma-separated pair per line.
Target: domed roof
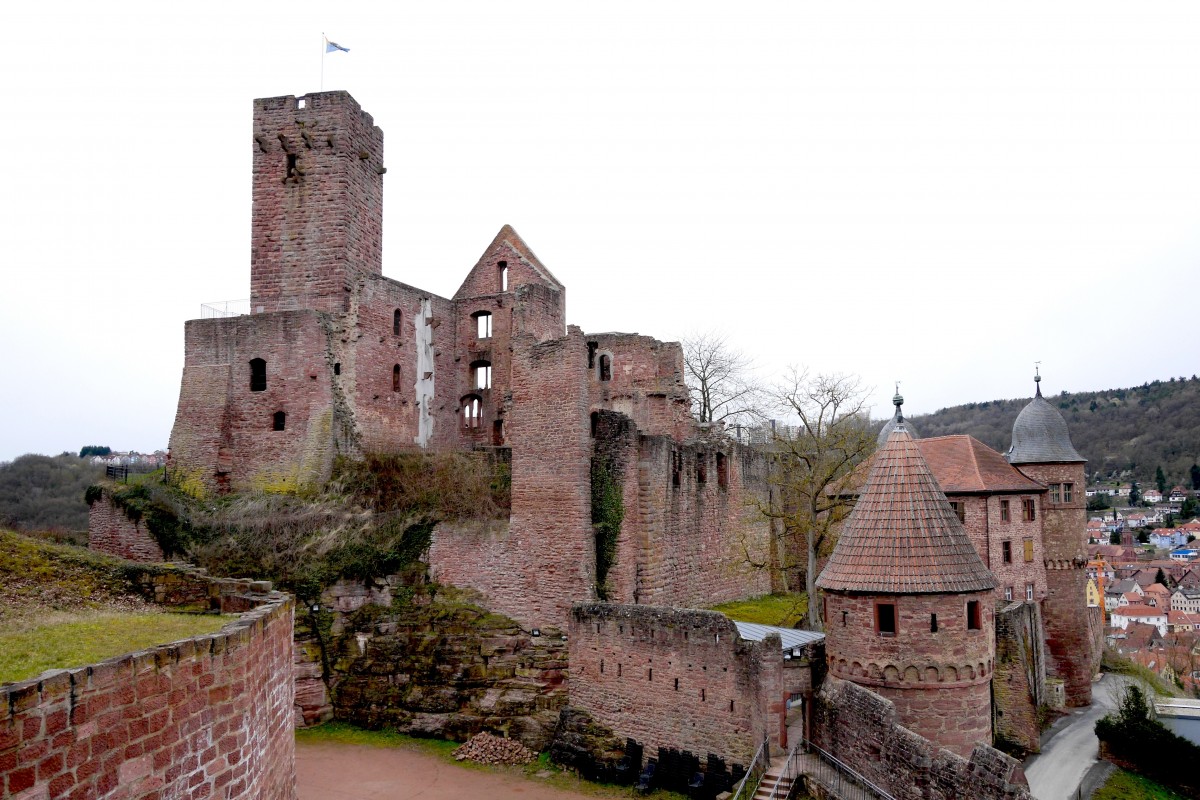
x,y
896,419
902,536
1040,436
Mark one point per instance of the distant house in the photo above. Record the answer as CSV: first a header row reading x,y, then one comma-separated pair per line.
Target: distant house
x,y
1184,553
1091,491
1124,490
1114,593
1137,520
1152,496
1158,596
1094,595
1164,538
1124,616
1178,494
1186,599
1182,622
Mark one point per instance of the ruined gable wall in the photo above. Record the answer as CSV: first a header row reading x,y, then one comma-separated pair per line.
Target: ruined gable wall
x,y
1019,683
862,729
696,531
234,445
111,531
667,677
315,229
645,383
210,716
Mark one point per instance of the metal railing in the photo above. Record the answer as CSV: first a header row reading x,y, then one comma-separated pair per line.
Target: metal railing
x,y
225,308
749,783
791,773
836,777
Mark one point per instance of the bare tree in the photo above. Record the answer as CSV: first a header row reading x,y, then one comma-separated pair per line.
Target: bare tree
x,y
812,474
720,379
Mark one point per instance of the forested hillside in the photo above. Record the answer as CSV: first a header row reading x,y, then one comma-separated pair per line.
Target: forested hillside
x,y
1123,433
45,493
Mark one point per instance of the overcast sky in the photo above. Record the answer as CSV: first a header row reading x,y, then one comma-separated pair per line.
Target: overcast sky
x,y
941,193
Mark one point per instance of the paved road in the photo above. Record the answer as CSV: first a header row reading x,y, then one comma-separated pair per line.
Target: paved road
x,y
1072,748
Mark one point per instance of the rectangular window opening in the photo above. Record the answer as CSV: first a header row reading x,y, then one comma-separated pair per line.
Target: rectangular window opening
x,y
1028,549
1068,490
503,265
722,471
974,616
1008,593
885,619
933,623
1056,493
1028,509
1004,517
1029,591
1006,549
960,509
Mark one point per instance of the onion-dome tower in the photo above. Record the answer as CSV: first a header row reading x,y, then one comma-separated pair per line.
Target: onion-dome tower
x,y
909,603
1042,450
896,419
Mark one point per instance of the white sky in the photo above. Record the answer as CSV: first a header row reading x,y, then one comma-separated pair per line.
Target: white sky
x,y
942,193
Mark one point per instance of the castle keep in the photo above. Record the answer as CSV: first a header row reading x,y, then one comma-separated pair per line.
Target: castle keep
x,y
334,358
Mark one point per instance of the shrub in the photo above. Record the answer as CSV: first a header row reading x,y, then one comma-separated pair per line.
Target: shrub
x,y
1133,738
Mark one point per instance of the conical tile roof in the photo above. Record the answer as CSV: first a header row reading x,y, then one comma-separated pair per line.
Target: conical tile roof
x,y
902,536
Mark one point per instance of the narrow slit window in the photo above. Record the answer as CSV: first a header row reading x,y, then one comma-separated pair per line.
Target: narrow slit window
x,y
701,469
397,321
933,623
396,378
595,420
337,368
503,265
1006,550
258,375
1004,515
606,367
592,346
292,165
278,421
481,372
722,471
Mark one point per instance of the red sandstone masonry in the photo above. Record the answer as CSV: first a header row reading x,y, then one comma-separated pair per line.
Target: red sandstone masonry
x,y
1019,683
676,678
110,531
863,729
203,717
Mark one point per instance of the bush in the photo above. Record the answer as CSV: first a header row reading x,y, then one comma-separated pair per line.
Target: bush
x,y
1135,739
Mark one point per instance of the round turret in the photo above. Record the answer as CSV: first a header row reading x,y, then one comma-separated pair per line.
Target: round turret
x,y
897,419
1040,436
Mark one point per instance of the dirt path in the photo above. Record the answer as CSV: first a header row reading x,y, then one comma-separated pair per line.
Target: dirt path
x,y
329,771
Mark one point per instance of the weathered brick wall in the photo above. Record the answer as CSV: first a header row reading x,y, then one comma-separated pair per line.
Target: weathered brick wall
x,y
224,435
544,560
989,531
314,229
674,678
646,382
938,681
110,531
864,730
1019,683
697,532
203,717
1064,532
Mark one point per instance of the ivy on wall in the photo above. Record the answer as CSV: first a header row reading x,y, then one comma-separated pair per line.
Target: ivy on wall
x,y
608,512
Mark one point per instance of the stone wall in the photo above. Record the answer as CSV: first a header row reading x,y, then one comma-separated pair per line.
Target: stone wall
x,y
111,531
984,522
1019,682
204,717
863,730
675,678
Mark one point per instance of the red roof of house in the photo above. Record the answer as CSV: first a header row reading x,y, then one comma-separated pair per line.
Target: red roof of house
x,y
1138,611
902,536
965,464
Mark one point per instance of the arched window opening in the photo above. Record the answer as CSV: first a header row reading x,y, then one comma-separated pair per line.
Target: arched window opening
x,y
606,367
278,420
481,374
397,319
258,375
396,378
503,265
472,407
483,324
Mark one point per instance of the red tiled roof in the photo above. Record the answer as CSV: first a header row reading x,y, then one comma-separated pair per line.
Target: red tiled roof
x,y
902,536
1138,611
965,464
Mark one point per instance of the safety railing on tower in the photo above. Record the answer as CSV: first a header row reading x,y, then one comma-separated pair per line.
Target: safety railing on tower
x,y
225,308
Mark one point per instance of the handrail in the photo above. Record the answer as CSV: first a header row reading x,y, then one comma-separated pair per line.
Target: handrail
x,y
763,755
863,783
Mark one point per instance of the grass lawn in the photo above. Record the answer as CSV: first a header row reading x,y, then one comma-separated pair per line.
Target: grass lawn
x,y
1123,785
72,639
780,610
540,770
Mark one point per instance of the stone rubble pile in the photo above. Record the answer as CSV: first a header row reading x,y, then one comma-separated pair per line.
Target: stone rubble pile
x,y
484,748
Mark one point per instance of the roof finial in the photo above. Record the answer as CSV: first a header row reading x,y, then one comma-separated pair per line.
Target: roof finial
x,y
898,401
1037,377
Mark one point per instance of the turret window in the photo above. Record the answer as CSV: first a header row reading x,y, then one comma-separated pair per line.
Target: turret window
x,y
974,616
885,619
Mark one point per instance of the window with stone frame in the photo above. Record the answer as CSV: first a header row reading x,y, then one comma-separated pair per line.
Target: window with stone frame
x,y
1028,509
974,616
1029,591
1008,593
1004,513
960,509
1068,491
1056,493
885,619
1006,550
